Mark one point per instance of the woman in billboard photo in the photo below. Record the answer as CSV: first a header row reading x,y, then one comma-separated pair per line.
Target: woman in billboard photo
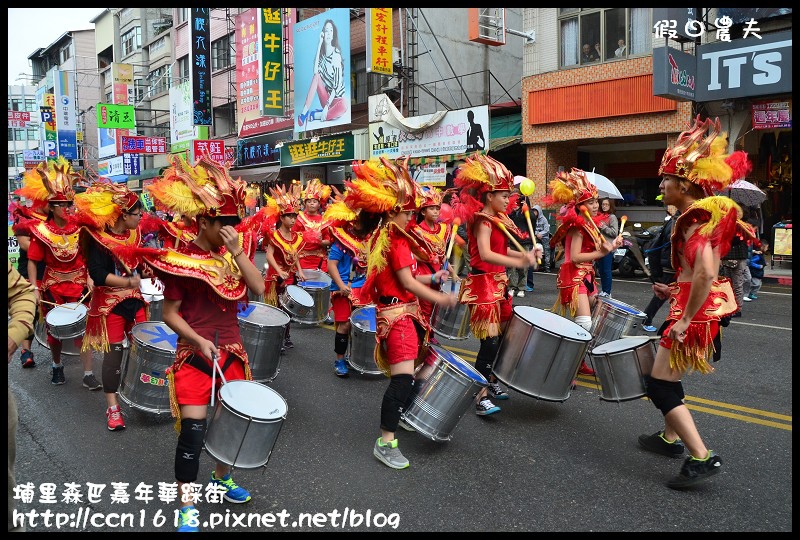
x,y
328,80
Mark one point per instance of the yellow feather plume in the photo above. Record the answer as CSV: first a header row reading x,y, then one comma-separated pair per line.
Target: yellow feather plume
x,y
376,261
718,207
97,204
339,211
175,196
561,192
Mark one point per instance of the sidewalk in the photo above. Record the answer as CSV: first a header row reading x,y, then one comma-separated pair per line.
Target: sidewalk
x,y
780,274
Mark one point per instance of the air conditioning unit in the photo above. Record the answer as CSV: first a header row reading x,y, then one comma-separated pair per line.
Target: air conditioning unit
x,y
396,55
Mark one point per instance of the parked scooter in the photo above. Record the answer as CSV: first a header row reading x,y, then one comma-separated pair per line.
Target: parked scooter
x,y
624,260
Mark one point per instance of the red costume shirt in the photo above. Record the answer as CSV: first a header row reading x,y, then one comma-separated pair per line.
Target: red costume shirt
x,y
61,255
497,242
386,281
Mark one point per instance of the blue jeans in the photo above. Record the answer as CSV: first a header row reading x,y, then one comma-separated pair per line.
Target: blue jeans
x,y
604,265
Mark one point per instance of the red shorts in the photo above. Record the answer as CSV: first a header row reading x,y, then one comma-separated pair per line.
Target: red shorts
x,y
193,387
118,326
342,308
506,309
403,341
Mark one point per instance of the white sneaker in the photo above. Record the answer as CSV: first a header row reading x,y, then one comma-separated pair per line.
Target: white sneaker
x,y
747,299
521,294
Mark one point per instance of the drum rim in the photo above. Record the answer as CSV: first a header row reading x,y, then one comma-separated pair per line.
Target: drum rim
x,y
550,332
613,302
445,359
641,339
228,406
288,293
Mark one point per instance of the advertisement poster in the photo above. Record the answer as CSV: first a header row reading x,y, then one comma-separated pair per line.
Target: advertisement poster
x,y
322,88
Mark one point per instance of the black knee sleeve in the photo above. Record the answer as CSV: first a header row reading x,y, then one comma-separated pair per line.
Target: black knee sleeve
x,y
187,453
395,401
340,342
486,355
665,395
112,361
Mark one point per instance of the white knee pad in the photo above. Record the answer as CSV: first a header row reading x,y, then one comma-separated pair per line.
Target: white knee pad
x,y
584,321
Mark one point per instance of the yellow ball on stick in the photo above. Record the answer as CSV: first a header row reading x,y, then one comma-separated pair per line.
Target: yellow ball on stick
x,y
527,187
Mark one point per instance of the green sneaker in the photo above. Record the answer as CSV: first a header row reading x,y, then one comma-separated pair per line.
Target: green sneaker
x,y
390,454
189,519
234,493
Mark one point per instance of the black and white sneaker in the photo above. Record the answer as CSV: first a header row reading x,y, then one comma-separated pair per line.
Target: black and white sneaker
x,y
485,407
496,392
696,470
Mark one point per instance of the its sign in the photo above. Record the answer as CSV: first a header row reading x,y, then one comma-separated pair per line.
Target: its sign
x,y
110,116
326,149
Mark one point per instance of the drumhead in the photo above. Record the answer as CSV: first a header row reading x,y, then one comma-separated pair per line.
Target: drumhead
x,y
622,306
300,296
457,362
262,314
152,286
553,323
250,398
155,334
315,279
65,314
363,318
621,345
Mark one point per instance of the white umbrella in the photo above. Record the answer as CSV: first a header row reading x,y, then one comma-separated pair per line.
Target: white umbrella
x,y
605,188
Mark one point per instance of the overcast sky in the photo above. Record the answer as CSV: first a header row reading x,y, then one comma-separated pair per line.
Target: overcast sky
x,y
32,28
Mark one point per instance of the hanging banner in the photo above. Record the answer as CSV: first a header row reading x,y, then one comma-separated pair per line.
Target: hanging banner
x,y
137,144
182,132
271,66
66,114
215,149
200,72
379,41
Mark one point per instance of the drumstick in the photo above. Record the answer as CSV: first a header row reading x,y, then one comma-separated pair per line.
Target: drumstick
x,y
622,221
527,212
597,234
502,227
456,223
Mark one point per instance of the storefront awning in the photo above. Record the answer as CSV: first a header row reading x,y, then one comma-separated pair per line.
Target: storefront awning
x,y
503,142
258,175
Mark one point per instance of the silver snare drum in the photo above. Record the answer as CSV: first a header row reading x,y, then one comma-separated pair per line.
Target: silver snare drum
x,y
622,365
451,322
318,285
67,347
540,353
67,321
443,391
143,382
612,320
362,340
262,328
296,301
247,420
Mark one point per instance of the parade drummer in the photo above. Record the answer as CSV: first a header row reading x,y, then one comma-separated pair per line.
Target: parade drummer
x,y
313,227
385,188
433,235
55,242
110,238
204,282
692,170
583,244
347,266
283,246
485,197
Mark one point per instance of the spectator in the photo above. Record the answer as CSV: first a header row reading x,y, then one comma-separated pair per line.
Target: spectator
x,y
541,228
732,266
588,55
609,226
620,52
519,279
756,264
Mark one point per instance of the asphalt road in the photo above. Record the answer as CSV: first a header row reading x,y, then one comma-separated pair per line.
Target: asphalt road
x,y
537,466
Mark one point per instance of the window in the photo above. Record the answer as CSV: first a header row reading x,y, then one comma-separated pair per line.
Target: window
x,y
12,159
366,84
158,45
139,89
31,106
222,53
131,40
590,35
183,72
183,15
33,134
158,80
65,53
16,104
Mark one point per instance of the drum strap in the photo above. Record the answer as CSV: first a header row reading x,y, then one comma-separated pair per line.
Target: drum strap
x,y
200,363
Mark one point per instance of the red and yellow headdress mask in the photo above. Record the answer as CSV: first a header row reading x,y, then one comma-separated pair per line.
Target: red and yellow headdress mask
x,y
570,188
483,174
317,190
50,181
381,187
103,203
285,201
205,189
699,156
431,196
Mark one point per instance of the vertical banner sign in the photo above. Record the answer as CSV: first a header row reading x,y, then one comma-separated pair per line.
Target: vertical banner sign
x,y
122,94
271,37
66,115
247,64
379,41
322,71
182,132
200,73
